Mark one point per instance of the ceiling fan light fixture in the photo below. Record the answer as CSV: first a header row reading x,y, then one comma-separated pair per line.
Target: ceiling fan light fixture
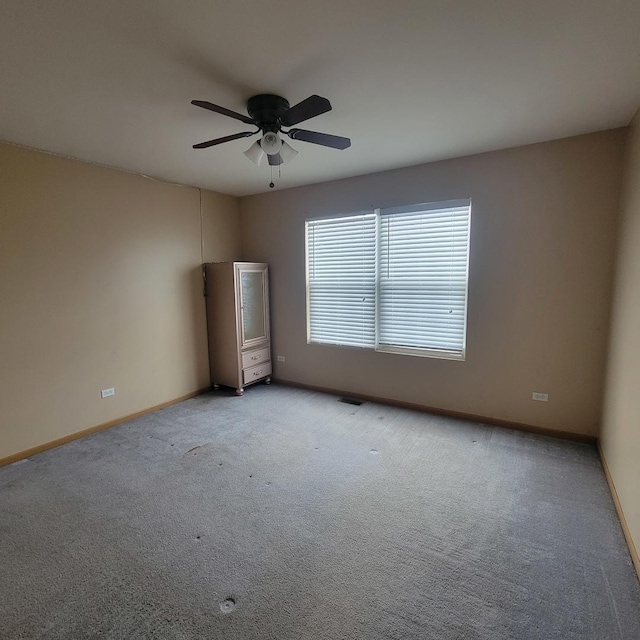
x,y
255,152
271,143
287,152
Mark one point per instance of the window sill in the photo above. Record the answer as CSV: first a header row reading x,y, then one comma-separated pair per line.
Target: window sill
x,y
398,350
421,353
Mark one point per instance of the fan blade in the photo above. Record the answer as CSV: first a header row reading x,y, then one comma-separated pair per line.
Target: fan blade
x,y
222,110
310,108
235,136
326,140
275,160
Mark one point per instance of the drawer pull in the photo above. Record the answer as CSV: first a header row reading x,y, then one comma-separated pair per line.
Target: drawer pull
x,y
258,373
256,357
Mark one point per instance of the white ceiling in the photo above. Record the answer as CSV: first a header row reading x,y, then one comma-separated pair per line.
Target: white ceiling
x,y
410,81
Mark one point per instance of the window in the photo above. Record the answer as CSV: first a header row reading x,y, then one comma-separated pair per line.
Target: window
x,y
341,263
393,279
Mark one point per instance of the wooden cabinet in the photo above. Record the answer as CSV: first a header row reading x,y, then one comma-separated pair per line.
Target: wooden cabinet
x,y
238,323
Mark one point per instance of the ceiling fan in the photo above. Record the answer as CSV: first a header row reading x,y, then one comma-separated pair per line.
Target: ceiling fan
x,y
270,113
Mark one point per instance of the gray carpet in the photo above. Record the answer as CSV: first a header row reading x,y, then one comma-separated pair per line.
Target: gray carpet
x,y
286,514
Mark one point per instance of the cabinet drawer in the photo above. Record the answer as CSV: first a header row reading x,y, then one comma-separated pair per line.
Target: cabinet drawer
x,y
251,358
256,373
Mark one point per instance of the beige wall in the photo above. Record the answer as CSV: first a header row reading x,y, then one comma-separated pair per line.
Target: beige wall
x,y
221,227
542,251
620,436
100,286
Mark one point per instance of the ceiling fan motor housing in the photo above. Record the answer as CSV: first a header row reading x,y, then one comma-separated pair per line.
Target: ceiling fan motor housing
x,y
267,109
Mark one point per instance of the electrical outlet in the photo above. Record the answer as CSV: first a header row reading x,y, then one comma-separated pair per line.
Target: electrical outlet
x,y
542,397
280,358
105,393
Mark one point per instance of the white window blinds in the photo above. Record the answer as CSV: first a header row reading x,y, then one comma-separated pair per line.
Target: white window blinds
x,y
422,287
341,276
394,279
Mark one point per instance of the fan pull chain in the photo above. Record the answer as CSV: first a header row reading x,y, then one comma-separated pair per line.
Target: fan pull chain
x,y
271,185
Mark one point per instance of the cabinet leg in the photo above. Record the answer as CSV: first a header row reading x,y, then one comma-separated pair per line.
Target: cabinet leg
x,y
239,391
267,381
216,386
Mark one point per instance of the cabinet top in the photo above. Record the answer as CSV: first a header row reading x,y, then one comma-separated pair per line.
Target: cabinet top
x,y
241,264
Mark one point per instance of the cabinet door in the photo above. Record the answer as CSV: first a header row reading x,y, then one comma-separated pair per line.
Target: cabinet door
x,y
253,288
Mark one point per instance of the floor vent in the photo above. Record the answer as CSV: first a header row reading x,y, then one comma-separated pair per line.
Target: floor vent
x,y
351,401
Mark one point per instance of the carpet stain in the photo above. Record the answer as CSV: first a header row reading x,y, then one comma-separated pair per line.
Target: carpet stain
x,y
195,450
228,605
353,401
